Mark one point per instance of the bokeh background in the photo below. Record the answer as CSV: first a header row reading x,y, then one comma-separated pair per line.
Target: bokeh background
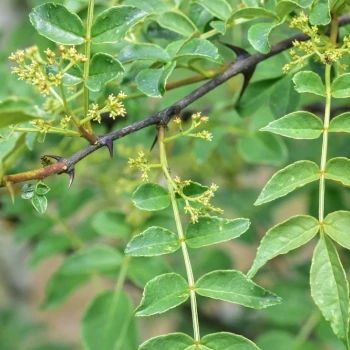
x,y
239,159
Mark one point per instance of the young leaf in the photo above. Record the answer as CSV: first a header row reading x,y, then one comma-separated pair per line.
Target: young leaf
x,y
341,86
98,258
103,68
211,230
234,287
340,123
320,14
111,25
41,188
176,22
163,293
60,288
229,341
258,36
111,224
329,287
200,48
297,125
150,196
49,246
218,8
57,23
27,191
152,81
143,52
288,179
311,82
107,321
39,203
337,226
173,341
284,237
338,170
153,241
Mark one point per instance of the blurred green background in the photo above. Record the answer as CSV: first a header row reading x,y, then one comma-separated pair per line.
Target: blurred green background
x,y
239,159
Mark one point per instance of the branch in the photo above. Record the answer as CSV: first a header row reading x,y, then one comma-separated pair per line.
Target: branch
x,y
241,65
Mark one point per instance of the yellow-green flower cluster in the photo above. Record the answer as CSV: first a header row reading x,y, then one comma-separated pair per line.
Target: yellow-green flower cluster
x,y
41,125
114,106
142,164
198,205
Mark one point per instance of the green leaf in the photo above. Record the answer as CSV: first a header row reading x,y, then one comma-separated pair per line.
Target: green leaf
x,y
176,22
41,188
340,123
311,82
282,106
107,321
49,246
57,23
252,12
39,203
341,86
337,226
258,36
225,340
200,48
152,81
14,111
103,68
112,25
163,293
141,270
284,8
60,288
27,191
173,341
297,125
151,6
338,170
218,8
150,196
234,287
143,52
111,224
220,26
153,241
284,237
320,14
98,258
262,148
212,230
288,179
329,287
72,77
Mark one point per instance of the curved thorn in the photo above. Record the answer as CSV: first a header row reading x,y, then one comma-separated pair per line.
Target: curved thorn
x,y
58,158
109,145
71,174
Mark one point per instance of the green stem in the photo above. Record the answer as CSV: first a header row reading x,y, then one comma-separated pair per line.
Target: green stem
x,y
190,278
324,143
90,17
308,327
52,130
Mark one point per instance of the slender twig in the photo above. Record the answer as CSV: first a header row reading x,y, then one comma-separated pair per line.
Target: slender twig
x,y
164,116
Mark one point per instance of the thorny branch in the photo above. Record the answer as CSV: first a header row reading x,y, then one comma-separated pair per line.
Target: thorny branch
x,y
241,65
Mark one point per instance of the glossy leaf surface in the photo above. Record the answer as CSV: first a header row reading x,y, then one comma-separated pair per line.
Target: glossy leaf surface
x,y
151,196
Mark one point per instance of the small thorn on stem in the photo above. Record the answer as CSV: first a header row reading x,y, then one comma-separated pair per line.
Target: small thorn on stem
x,y
109,144
58,158
9,186
71,174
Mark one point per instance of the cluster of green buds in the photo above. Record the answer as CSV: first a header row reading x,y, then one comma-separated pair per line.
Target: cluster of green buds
x,y
41,125
65,121
199,204
316,46
70,54
114,106
142,164
197,120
